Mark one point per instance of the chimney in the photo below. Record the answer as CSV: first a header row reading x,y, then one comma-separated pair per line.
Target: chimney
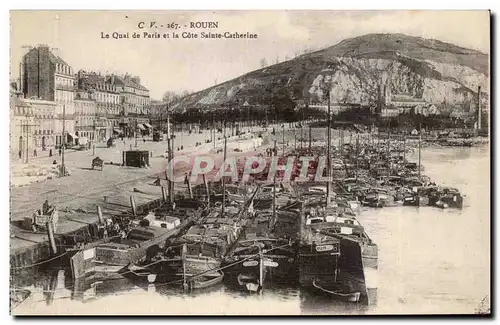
x,y
479,107
136,80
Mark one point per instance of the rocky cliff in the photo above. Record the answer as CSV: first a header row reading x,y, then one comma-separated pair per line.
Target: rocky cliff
x,y
354,71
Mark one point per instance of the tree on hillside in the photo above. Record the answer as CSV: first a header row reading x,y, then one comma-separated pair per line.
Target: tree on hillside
x,y
263,63
185,93
169,97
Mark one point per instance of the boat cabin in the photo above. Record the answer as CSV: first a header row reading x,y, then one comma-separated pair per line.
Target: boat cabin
x,y
167,222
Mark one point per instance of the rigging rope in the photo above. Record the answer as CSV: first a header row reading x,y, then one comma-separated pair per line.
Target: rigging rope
x,y
39,263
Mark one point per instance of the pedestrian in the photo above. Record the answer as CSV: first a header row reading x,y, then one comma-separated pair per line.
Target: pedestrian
x,y
144,140
34,153
59,151
50,153
20,154
45,207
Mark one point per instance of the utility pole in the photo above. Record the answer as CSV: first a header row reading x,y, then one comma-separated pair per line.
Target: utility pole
x,y
63,168
94,140
27,140
161,116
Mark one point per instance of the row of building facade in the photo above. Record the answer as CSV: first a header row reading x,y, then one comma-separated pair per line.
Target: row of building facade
x,y
50,101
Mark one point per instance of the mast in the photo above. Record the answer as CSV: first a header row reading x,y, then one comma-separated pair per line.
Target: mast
x,y
274,184
261,270
206,188
419,149
404,146
184,280
357,155
389,149
294,138
169,155
328,161
213,129
223,177
310,137
479,108
283,138
302,130
341,142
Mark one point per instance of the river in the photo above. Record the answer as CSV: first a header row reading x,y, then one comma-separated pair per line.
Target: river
x,y
430,261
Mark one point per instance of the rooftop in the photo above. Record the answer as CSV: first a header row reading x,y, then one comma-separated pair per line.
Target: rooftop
x,y
127,81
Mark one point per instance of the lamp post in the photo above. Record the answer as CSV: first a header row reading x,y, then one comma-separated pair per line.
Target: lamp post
x,y
63,168
135,132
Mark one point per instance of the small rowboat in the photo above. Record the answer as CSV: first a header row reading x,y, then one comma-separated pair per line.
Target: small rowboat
x,y
338,291
205,281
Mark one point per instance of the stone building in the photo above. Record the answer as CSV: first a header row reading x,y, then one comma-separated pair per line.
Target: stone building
x,y
106,96
85,117
32,126
135,102
47,77
391,105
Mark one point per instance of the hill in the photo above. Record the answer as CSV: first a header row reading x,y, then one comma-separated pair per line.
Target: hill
x,y
354,70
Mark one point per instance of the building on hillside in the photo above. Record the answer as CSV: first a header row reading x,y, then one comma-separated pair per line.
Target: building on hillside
x,y
392,105
47,77
425,110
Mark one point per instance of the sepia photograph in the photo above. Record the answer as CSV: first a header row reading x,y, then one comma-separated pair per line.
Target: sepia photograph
x,y
250,162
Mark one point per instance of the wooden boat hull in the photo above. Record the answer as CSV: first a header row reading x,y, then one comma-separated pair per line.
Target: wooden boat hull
x,y
355,272
168,270
249,278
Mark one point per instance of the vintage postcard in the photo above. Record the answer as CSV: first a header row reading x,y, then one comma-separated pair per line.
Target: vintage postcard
x,y
250,162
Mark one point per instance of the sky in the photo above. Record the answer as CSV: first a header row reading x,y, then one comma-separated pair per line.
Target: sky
x,y
195,64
